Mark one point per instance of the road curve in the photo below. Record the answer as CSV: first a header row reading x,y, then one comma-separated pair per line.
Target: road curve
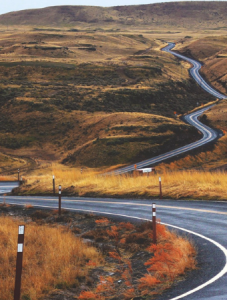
x,y
208,133
204,222
194,71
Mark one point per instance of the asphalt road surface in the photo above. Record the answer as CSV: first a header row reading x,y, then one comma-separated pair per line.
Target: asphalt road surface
x,y
194,71
204,222
209,134
6,187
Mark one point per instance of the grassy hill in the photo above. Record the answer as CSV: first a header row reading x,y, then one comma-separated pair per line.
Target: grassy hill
x,y
95,94
198,14
92,99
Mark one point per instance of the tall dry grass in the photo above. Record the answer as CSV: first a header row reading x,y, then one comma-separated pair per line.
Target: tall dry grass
x,y
175,184
53,257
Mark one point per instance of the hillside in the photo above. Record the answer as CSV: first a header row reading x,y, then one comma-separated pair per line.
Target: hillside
x,y
95,94
212,51
92,99
201,14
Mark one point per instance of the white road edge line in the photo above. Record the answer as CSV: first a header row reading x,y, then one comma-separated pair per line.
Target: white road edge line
x,y
222,248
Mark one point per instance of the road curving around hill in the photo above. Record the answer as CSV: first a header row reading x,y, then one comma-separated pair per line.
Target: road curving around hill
x,y
203,222
194,71
209,134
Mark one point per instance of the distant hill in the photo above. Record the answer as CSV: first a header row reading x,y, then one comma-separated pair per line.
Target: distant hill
x,y
196,14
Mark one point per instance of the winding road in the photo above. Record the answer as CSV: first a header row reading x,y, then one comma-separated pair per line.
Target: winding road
x,y
209,134
194,71
203,221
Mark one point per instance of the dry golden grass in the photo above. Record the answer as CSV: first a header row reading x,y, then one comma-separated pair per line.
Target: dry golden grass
x,y
53,257
7,178
175,184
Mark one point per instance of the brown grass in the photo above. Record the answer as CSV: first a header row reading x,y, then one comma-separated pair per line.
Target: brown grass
x,y
53,257
175,184
172,256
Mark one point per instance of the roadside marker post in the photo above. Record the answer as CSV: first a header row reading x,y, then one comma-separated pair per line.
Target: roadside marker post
x,y
54,185
160,187
18,174
59,201
154,223
20,248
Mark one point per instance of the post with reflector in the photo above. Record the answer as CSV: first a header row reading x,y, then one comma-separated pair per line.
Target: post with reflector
x,y
20,248
154,223
160,187
59,201
18,174
54,185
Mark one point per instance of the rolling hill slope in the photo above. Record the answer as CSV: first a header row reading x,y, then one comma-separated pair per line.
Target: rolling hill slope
x,y
199,14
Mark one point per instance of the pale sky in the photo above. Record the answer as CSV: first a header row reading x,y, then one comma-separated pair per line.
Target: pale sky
x,y
14,5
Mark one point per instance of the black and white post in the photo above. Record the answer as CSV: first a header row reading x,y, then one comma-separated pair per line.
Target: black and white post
x,y
59,201
20,248
154,223
18,174
54,185
160,187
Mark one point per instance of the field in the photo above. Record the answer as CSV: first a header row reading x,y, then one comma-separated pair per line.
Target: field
x,y
176,184
88,98
100,92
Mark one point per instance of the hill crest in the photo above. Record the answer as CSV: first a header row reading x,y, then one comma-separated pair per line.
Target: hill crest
x,y
198,13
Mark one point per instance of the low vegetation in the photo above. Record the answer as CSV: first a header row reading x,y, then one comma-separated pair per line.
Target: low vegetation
x,y
62,105
53,258
176,184
122,261
150,17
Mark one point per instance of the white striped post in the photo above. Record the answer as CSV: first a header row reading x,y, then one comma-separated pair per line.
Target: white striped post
x,y
59,201
154,223
20,248
54,185
160,187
